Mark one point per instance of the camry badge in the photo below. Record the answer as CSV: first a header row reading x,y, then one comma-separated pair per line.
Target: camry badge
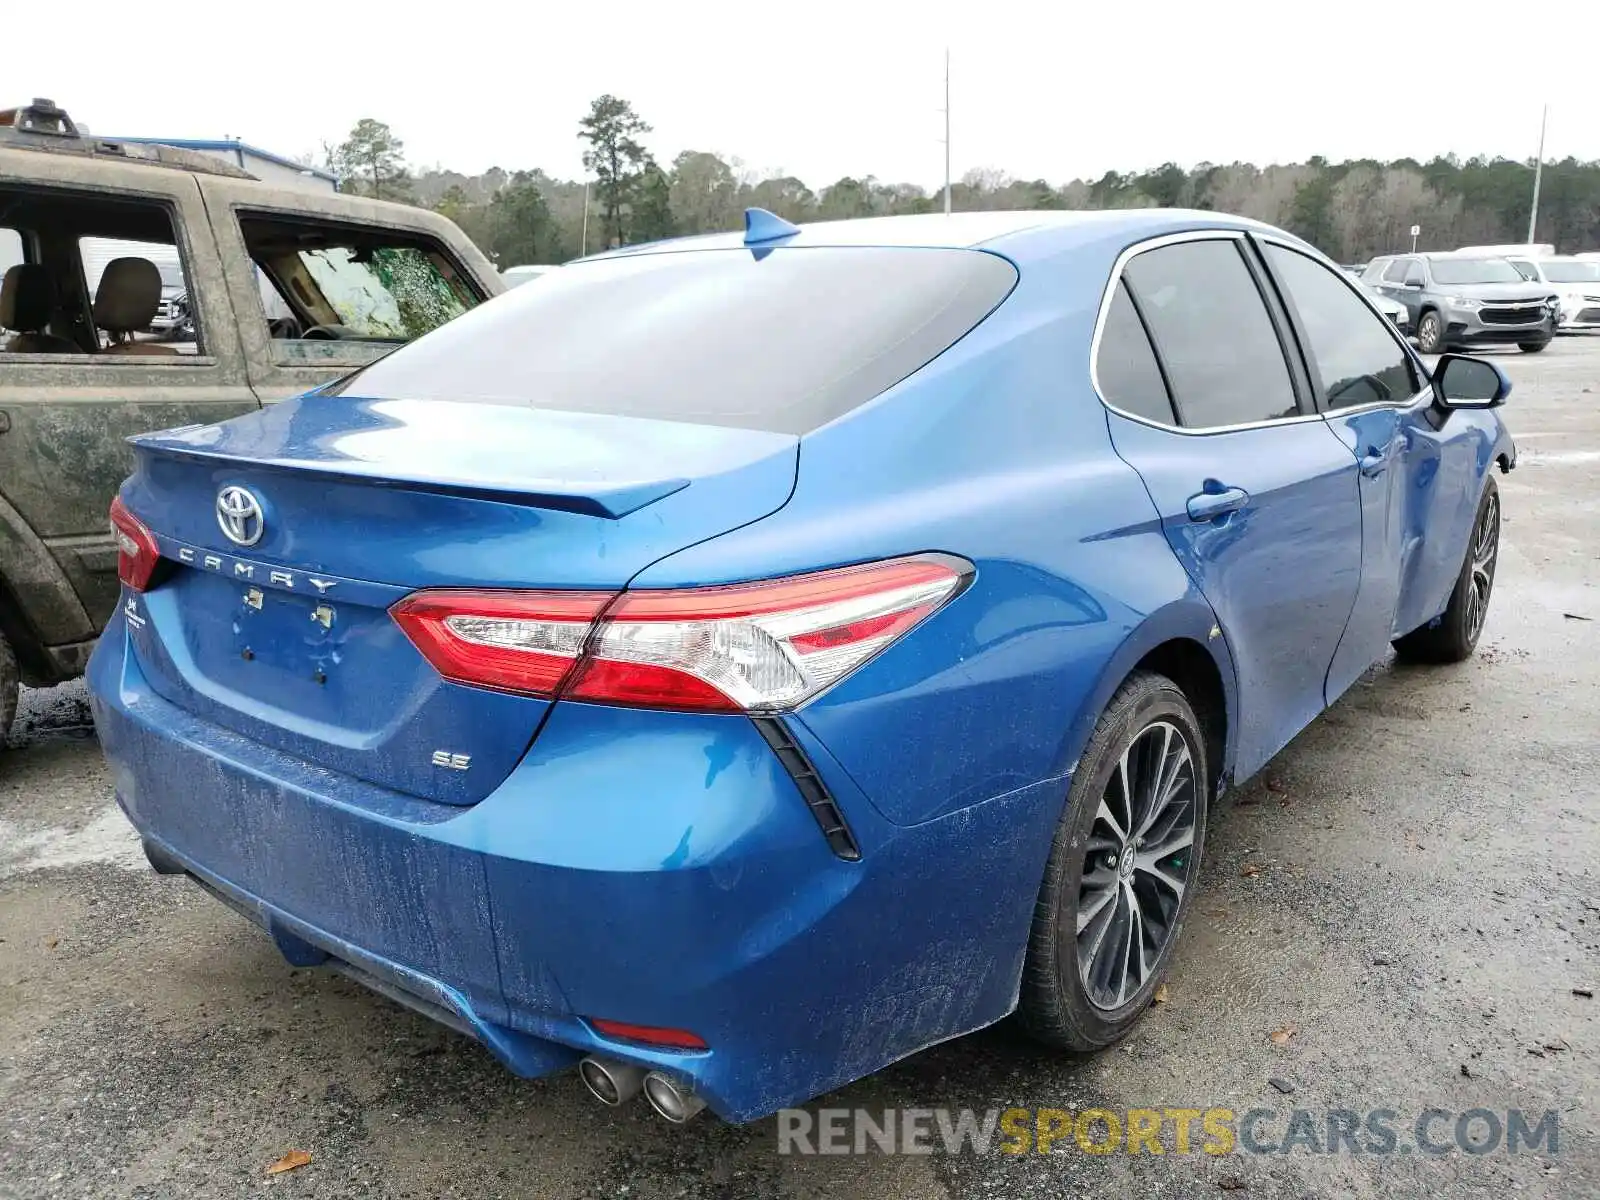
x,y
239,516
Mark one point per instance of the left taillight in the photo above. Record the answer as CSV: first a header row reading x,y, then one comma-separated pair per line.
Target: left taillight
x,y
137,552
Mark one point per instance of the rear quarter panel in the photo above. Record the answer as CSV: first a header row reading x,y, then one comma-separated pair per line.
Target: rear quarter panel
x,y
998,452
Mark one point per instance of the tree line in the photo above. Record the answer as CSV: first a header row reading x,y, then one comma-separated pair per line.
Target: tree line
x,y
1351,210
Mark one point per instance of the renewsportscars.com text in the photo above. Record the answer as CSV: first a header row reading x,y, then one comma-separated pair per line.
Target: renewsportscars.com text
x,y
1214,1131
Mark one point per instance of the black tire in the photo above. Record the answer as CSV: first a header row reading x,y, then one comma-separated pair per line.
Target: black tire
x,y
1430,332
9,684
1532,347
1056,1005
1454,635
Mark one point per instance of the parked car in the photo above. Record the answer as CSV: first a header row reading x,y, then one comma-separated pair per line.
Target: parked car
x,y
1393,309
357,277
736,695
514,276
1454,300
1576,283
1514,250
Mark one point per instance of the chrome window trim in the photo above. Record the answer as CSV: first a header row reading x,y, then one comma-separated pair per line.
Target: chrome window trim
x,y
1285,243
1127,255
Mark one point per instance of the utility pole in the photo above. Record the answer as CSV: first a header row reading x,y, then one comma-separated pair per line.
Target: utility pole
x,y
947,132
1538,171
585,218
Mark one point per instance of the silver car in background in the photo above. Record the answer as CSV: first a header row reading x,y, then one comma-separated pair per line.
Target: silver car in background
x,y
1575,280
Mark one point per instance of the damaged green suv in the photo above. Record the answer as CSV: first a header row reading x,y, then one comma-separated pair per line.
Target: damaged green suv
x,y
282,288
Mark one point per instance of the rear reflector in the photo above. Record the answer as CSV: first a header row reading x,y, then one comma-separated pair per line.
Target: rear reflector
x,y
649,1035
752,647
137,552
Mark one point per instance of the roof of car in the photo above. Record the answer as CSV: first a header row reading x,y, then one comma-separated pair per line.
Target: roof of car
x,y
1024,234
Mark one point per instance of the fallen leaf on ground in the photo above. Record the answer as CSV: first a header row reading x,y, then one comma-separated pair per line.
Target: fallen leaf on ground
x,y
291,1161
1280,1037
1250,870
1161,994
1586,993
1231,1183
52,943
1276,785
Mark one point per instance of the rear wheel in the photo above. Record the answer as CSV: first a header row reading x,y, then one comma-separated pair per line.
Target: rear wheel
x,y
1532,347
1430,333
1454,635
1122,870
9,684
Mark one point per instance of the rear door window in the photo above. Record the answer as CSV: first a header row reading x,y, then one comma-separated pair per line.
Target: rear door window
x,y
1212,330
347,294
783,340
1396,272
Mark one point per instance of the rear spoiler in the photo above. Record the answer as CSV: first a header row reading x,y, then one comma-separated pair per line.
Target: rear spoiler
x,y
593,498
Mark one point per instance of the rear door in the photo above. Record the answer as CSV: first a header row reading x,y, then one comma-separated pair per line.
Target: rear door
x,y
1375,399
325,284
1257,498
64,417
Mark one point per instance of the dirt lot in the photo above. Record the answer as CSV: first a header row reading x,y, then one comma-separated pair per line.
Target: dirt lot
x,y
1412,887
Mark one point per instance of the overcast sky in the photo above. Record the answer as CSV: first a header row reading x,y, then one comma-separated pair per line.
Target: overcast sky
x,y
824,89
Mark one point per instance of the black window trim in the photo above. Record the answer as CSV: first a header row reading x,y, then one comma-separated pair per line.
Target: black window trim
x,y
1303,402
1303,339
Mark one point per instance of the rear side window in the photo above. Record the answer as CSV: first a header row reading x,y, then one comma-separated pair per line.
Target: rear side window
x,y
1359,361
1211,328
785,340
1126,367
1396,272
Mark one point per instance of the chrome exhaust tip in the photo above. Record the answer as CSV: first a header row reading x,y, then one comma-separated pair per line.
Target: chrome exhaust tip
x,y
612,1083
673,1101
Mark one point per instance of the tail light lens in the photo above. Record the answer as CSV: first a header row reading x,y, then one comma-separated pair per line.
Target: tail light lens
x,y
137,552
510,641
744,647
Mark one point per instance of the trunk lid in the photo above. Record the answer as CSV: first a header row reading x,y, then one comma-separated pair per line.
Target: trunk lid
x,y
285,636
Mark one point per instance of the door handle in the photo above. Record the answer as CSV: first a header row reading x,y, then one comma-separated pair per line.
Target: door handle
x,y
1209,506
1373,462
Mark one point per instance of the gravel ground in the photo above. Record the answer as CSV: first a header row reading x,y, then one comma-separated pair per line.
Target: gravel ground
x,y
1412,887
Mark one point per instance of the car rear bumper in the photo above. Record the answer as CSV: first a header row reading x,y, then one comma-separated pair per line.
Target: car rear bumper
x,y
658,869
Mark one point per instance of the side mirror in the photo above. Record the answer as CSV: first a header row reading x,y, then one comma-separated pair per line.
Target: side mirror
x,y
1414,284
1460,381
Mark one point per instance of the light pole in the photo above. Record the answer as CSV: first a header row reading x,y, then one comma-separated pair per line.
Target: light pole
x,y
947,132
1538,171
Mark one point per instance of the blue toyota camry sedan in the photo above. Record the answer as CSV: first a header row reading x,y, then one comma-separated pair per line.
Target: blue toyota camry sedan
x,y
740,662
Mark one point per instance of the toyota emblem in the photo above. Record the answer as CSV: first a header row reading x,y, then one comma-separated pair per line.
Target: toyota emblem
x,y
239,516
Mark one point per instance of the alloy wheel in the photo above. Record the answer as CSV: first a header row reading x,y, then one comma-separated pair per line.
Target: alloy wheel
x,y
1137,865
1484,553
1428,333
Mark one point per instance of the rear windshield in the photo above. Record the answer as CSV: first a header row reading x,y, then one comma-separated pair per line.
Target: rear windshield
x,y
784,340
1474,270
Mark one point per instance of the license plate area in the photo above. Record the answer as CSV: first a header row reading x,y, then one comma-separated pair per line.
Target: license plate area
x,y
284,647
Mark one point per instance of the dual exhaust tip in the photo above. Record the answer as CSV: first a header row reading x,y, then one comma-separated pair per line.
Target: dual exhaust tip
x,y
615,1083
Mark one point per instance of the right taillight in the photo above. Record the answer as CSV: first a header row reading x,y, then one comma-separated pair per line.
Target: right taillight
x,y
137,552
752,647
